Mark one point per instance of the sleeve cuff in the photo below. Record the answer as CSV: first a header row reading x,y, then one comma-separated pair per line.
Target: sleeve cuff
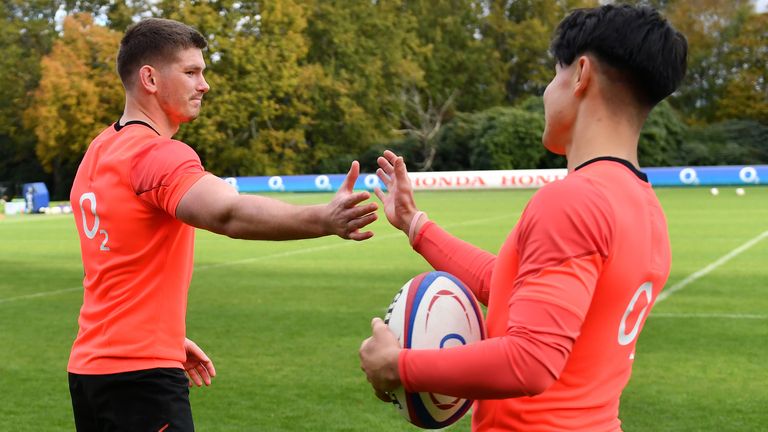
x,y
420,234
401,369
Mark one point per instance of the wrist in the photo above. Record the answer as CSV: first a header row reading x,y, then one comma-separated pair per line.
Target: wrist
x,y
394,380
417,221
325,214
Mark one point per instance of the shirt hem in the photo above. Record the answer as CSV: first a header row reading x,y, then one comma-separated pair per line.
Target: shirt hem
x,y
119,368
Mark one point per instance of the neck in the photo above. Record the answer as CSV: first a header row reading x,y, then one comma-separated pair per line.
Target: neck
x,y
602,133
151,114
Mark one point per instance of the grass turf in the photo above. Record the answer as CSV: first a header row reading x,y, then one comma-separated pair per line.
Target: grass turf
x,y
283,320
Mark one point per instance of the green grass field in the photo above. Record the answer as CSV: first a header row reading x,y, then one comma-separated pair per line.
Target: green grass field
x,y
283,320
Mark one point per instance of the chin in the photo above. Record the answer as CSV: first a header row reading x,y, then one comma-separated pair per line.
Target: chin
x,y
188,118
551,145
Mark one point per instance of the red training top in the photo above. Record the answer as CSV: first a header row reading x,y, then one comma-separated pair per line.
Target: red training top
x,y
567,297
136,255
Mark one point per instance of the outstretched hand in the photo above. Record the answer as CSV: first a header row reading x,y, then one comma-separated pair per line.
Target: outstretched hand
x,y
198,367
399,204
347,214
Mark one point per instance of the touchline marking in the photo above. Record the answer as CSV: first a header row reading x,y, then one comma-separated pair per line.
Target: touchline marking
x,y
704,271
40,294
709,315
260,258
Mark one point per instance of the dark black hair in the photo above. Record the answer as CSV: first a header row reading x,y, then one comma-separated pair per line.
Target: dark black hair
x,y
635,40
154,41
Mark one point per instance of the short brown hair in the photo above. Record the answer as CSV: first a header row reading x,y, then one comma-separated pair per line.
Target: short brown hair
x,y
154,41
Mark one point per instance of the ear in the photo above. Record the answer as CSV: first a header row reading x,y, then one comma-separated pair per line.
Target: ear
x,y
583,76
148,79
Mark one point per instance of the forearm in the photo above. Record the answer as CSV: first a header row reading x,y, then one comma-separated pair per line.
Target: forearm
x,y
215,206
470,264
524,362
254,217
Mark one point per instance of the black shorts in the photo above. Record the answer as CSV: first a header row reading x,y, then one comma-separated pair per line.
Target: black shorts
x,y
146,400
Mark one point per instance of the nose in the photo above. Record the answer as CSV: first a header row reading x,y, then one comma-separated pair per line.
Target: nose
x,y
203,87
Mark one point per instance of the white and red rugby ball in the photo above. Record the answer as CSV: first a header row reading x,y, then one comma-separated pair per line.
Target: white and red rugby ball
x,y
433,310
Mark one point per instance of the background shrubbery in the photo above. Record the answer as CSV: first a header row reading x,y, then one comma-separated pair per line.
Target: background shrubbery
x,y
306,86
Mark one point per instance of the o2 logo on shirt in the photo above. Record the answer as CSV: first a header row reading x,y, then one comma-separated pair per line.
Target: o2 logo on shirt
x,y
646,290
92,231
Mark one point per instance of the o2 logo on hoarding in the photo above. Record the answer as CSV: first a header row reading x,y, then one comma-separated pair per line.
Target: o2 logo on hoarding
x,y
371,181
275,183
688,176
749,175
323,182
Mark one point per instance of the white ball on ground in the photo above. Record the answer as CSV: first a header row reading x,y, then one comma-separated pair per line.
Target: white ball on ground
x,y
714,191
740,191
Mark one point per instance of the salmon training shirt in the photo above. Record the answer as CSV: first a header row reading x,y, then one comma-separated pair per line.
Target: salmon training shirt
x,y
137,257
567,297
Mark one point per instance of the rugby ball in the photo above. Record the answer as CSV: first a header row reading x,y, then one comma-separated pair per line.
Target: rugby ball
x,y
433,310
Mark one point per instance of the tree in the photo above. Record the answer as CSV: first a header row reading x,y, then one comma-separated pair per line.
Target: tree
x,y
455,56
711,27
79,93
26,34
732,142
746,89
365,54
521,32
255,117
430,120
496,138
507,138
662,137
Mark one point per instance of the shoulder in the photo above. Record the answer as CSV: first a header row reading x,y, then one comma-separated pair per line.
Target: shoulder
x,y
160,161
572,212
157,149
575,193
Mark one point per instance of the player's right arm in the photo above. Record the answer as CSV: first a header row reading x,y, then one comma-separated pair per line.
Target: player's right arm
x,y
470,264
214,205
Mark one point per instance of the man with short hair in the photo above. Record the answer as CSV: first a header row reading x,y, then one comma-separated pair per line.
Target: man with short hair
x,y
571,287
137,196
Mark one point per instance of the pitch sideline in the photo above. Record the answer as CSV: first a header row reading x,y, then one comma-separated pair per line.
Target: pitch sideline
x,y
255,259
663,296
709,268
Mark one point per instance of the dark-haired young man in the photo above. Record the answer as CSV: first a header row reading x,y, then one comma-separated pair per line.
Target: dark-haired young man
x,y
137,196
570,289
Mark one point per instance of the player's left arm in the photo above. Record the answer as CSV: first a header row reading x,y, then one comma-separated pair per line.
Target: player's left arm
x,y
524,362
528,359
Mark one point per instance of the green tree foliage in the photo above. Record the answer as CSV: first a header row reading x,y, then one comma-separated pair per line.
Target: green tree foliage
x,y
496,138
508,138
732,142
364,56
307,85
78,95
662,137
457,69
26,34
715,31
455,143
521,32
455,57
255,116
746,89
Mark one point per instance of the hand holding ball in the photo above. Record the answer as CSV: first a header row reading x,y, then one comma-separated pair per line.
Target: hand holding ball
x,y
433,310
